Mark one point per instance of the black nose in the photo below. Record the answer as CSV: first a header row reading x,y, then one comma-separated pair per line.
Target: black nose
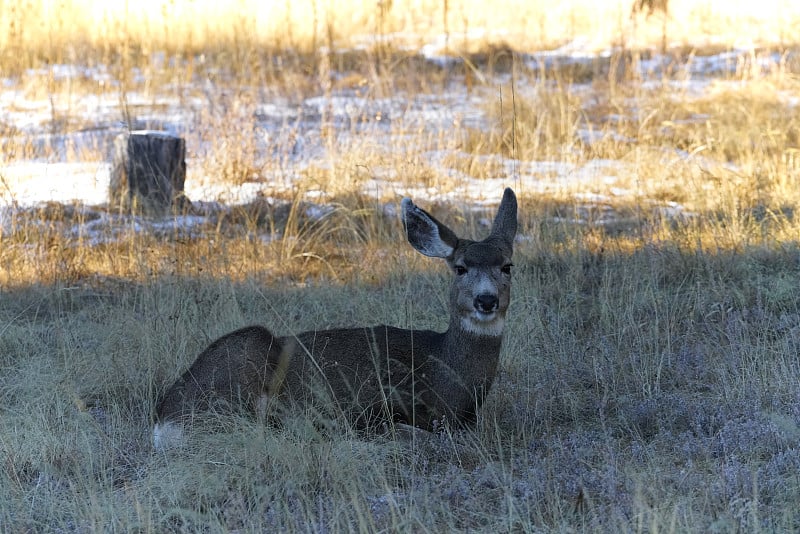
x,y
485,303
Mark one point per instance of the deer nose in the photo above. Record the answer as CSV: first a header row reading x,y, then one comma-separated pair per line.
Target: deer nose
x,y
485,303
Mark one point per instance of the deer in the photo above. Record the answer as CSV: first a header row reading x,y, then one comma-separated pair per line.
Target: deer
x,y
374,375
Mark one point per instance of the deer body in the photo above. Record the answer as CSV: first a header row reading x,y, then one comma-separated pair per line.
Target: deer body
x,y
372,375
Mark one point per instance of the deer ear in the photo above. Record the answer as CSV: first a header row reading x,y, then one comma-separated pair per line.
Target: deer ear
x,y
426,234
505,222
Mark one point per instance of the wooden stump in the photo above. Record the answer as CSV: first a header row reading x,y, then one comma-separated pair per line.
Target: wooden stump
x,y
148,172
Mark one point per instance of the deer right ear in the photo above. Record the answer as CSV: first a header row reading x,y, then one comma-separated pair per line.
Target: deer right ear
x,y
425,233
505,222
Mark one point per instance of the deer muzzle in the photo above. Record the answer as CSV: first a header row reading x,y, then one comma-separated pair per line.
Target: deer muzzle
x,y
486,303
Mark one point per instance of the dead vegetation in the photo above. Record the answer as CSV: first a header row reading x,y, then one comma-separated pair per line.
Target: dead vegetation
x,y
649,379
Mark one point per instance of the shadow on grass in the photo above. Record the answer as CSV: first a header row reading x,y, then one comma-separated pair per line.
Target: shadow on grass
x,y
637,380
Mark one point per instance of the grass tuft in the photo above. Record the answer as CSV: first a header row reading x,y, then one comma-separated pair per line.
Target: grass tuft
x,y
649,378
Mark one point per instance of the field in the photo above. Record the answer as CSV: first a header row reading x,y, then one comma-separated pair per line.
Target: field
x,y
649,381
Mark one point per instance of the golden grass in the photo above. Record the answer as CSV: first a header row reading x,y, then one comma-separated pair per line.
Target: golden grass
x,y
727,158
649,374
65,31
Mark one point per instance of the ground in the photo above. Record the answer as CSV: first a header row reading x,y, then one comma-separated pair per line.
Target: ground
x,y
649,379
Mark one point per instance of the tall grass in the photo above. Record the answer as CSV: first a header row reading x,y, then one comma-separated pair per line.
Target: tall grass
x,y
655,387
72,30
649,379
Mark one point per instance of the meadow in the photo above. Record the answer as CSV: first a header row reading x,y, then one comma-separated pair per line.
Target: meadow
x,y
649,380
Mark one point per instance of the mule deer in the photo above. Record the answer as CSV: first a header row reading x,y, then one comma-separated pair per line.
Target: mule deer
x,y
371,375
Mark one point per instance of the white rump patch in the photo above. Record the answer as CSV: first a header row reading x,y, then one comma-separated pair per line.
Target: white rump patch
x,y
479,326
167,435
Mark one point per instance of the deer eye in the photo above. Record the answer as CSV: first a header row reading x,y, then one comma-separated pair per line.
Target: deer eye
x,y
460,270
506,269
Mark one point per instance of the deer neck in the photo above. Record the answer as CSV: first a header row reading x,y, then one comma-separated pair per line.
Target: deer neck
x,y
468,365
473,347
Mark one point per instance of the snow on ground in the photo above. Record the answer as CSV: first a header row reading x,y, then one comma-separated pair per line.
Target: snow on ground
x,y
29,183
384,121
24,185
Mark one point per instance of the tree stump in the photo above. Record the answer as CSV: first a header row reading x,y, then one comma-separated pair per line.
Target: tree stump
x,y
148,172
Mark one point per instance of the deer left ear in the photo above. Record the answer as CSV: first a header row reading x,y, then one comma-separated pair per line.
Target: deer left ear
x,y
426,234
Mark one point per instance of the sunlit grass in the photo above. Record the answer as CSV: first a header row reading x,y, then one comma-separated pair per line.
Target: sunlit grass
x,y
649,378
727,158
76,29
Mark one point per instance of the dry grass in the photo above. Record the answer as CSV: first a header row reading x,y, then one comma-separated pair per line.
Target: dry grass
x,y
649,379
656,386
74,29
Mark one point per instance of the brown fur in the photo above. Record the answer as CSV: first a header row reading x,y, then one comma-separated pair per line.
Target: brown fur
x,y
372,375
